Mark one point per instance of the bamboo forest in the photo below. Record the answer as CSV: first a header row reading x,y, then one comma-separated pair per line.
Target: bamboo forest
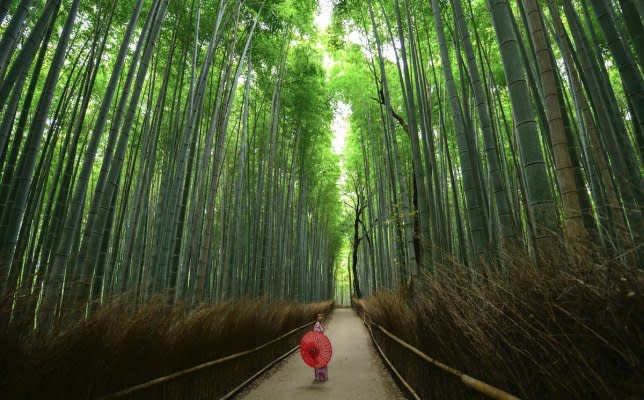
x,y
186,184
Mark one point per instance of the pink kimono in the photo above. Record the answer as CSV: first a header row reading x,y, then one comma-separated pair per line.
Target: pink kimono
x,y
321,374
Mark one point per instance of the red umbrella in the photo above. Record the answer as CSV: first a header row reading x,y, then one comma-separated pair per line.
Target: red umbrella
x,y
316,349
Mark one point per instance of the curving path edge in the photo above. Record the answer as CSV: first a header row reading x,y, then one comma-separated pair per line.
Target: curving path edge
x,y
355,371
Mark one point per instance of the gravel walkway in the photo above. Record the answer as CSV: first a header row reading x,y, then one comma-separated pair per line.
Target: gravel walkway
x,y
355,371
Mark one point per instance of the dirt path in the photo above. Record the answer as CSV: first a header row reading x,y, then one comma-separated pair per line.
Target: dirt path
x,y
355,371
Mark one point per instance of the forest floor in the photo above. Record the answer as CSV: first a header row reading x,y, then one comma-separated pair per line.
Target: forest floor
x,y
355,371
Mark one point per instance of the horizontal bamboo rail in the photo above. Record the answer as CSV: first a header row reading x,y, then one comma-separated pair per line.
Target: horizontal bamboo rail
x,y
237,389
473,383
391,365
201,367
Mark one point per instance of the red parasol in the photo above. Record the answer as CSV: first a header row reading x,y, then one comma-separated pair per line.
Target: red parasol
x,y
316,349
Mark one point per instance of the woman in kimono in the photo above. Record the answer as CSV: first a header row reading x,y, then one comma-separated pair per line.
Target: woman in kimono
x,y
321,374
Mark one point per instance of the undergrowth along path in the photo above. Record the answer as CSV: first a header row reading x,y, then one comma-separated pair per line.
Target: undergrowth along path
x,y
355,371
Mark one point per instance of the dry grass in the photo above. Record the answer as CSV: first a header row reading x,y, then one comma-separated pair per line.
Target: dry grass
x,y
566,330
118,348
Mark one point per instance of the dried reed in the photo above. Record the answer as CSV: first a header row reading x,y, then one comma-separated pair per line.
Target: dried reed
x,y
569,329
118,347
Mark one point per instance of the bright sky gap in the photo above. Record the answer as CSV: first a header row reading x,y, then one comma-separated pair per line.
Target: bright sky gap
x,y
340,125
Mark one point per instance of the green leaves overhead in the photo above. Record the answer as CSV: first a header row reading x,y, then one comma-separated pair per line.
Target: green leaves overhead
x,y
190,157
184,147
528,95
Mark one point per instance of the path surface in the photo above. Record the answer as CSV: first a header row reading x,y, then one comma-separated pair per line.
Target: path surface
x,y
355,371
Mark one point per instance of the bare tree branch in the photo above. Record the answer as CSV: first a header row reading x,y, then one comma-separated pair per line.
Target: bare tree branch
x,y
394,114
